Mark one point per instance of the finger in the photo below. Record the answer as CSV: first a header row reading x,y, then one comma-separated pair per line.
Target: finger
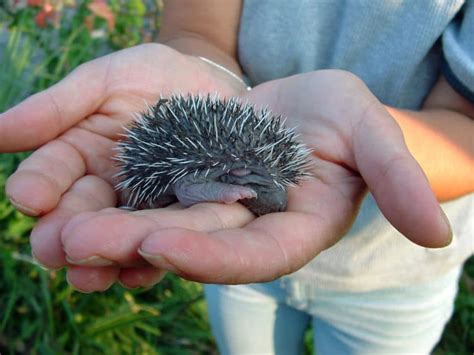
x,y
44,116
266,248
117,236
377,149
141,276
90,193
259,252
92,279
40,180
397,182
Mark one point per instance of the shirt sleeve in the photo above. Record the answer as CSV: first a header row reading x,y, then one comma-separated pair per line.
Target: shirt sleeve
x,y
458,51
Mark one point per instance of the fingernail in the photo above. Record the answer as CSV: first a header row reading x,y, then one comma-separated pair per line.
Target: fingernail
x,y
74,287
145,286
158,260
48,268
161,276
126,286
93,260
25,210
449,238
158,279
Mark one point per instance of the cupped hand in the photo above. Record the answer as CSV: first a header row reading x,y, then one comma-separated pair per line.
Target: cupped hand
x,y
357,147
74,125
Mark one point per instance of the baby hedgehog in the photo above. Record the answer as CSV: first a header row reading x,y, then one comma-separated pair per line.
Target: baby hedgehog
x,y
196,149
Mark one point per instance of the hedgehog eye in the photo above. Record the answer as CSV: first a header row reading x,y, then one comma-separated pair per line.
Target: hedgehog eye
x,y
240,172
246,176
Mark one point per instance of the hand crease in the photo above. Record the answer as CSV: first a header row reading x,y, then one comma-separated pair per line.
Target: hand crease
x,y
88,194
108,69
284,255
56,160
384,171
83,154
218,220
63,139
58,116
47,177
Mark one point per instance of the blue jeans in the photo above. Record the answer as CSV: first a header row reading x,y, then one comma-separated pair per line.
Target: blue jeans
x,y
271,318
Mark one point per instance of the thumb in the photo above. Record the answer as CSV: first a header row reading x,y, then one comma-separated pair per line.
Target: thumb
x,y
47,114
396,181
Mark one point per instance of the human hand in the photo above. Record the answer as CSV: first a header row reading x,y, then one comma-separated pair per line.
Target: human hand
x,y
356,145
76,124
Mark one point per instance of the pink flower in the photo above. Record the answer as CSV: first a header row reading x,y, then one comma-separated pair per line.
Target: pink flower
x,y
35,3
100,9
47,12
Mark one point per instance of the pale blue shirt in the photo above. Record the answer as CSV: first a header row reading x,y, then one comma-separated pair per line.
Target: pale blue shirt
x,y
399,48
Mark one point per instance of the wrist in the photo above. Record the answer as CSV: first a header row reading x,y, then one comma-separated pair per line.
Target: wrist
x,y
223,69
220,65
219,79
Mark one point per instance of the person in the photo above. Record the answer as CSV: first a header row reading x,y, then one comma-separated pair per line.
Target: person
x,y
361,84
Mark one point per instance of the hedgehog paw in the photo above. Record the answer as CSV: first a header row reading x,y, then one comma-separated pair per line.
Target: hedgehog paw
x,y
191,193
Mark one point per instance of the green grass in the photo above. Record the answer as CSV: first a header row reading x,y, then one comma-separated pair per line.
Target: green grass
x,y
39,311
42,314
458,337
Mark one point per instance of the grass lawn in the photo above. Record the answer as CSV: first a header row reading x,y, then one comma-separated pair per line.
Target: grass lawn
x,y
39,312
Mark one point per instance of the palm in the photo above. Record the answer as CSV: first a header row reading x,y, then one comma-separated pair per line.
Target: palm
x,y
214,243
125,83
356,143
77,122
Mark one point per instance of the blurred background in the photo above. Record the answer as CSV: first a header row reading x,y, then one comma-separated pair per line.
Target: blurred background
x,y
40,42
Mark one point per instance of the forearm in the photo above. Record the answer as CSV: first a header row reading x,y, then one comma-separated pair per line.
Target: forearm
x,y
200,47
442,143
203,28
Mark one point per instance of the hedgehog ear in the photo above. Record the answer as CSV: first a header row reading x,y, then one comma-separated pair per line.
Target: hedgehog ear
x,y
252,178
